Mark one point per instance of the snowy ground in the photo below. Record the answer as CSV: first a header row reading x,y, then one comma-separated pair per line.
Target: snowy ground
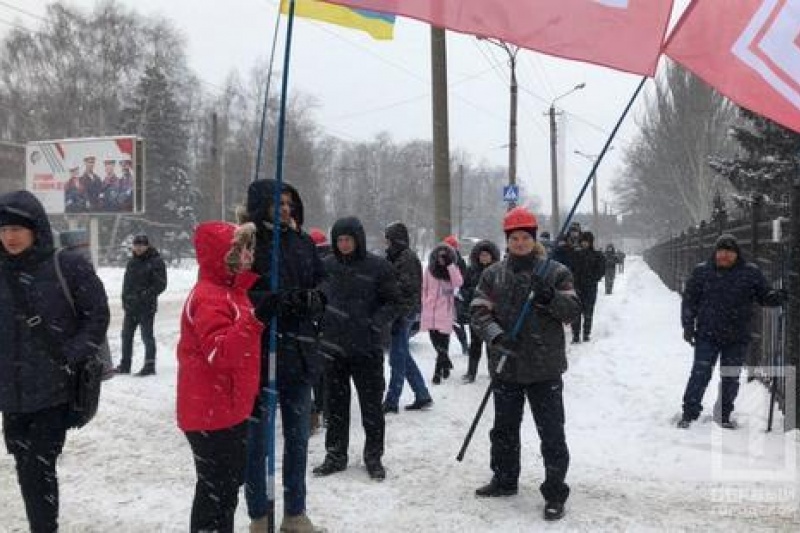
x,y
130,470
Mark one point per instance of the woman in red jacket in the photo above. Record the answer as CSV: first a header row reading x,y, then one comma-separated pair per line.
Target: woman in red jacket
x,y
218,370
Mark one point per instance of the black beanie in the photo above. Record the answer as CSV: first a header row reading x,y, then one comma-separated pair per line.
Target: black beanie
x,y
726,241
532,231
12,218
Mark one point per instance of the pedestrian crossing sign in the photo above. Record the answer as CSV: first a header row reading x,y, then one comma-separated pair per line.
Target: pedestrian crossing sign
x,y
511,193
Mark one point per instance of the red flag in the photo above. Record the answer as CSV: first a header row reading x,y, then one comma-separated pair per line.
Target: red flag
x,y
622,34
749,51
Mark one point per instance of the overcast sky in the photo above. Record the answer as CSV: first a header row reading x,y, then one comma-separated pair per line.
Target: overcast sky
x,y
365,86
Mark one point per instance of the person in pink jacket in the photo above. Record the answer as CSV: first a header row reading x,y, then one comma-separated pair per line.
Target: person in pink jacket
x,y
439,284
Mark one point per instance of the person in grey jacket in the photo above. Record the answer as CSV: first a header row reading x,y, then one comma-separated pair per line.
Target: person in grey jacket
x,y
533,360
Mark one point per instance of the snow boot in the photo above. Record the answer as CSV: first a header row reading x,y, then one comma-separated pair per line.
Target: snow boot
x,y
494,489
444,364
149,369
376,470
553,511
437,372
468,378
728,423
390,408
586,337
315,421
298,524
419,405
123,368
576,339
329,466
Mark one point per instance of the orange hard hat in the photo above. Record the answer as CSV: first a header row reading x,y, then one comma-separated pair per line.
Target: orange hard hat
x,y
519,218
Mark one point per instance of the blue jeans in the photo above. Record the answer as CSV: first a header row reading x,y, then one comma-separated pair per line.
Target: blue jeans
x,y
705,358
295,407
403,365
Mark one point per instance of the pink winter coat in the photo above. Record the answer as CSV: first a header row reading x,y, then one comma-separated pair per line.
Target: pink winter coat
x,y
438,300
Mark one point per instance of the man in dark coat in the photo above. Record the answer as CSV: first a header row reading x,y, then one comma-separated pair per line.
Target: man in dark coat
x,y
41,341
533,360
611,258
409,276
145,278
588,268
363,297
716,314
298,307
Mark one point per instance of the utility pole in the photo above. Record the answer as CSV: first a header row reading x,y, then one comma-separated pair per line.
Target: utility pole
x,y
513,90
441,142
595,200
215,169
555,215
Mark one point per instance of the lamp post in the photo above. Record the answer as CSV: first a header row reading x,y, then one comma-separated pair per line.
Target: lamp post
x,y
556,222
511,50
595,216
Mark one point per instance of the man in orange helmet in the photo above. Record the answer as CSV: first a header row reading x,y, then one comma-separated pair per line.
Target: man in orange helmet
x,y
519,309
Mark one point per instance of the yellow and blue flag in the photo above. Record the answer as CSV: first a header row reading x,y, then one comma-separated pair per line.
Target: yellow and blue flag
x,y
379,25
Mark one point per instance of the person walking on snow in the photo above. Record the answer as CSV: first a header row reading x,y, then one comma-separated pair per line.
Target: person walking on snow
x,y
440,282
409,277
483,254
588,268
716,314
534,359
459,324
218,367
363,296
611,267
39,328
145,278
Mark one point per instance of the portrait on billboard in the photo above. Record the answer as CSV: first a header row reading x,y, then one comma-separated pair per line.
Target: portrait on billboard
x,y
97,176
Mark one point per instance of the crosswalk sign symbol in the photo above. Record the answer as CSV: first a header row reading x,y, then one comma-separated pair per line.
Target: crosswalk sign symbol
x,y
511,193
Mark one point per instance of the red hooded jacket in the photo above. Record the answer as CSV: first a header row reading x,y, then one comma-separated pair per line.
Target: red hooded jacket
x,y
220,342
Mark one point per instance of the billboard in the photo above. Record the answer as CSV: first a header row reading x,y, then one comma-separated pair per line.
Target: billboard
x,y
102,175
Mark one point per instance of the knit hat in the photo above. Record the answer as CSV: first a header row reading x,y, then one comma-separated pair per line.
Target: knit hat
x,y
726,241
14,217
141,239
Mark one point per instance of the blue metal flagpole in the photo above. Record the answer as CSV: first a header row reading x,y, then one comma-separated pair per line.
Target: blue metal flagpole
x,y
272,395
262,130
600,158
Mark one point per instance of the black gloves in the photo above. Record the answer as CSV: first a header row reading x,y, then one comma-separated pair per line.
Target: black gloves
x,y
270,306
689,335
543,291
306,303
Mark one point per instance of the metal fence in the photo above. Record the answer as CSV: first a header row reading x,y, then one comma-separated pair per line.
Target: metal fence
x,y
764,238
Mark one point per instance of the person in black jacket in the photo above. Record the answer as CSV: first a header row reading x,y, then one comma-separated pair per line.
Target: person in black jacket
x,y
716,312
588,268
363,299
611,267
461,319
42,340
409,277
145,278
297,307
483,254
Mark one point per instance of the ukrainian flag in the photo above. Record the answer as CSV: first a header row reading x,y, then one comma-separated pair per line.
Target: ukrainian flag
x,y
379,25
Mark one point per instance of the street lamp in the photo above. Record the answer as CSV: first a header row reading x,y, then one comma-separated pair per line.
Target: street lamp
x,y
556,223
511,50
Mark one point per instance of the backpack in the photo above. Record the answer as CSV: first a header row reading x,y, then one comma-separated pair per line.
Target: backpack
x,y
88,375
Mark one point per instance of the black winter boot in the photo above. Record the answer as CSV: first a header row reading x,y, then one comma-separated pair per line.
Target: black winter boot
x,y
553,510
494,489
149,369
437,373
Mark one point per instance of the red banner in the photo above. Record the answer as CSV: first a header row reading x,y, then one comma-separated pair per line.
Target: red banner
x,y
749,51
622,34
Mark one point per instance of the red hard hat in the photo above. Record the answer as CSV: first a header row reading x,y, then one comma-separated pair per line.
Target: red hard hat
x,y
519,218
451,241
318,236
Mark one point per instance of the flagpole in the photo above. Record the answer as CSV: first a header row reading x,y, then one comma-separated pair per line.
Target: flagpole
x,y
262,130
272,395
599,158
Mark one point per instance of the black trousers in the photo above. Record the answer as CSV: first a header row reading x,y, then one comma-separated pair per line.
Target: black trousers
x,y
366,371
547,406
219,460
475,351
144,321
36,440
588,297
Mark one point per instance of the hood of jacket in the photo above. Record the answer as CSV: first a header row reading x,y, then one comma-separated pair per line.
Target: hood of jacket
x,y
349,226
260,198
212,242
24,203
484,246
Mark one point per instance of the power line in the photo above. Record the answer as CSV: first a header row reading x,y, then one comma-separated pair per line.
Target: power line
x,y
23,11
